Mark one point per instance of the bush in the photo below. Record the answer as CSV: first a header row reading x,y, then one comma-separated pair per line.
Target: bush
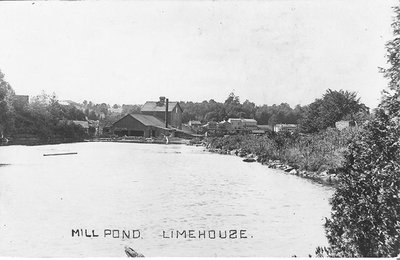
x,y
313,152
365,220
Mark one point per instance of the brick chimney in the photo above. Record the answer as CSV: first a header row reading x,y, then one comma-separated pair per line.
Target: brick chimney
x,y
161,102
166,113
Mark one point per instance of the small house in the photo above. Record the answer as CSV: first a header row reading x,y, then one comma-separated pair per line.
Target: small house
x,y
285,127
194,123
249,123
236,123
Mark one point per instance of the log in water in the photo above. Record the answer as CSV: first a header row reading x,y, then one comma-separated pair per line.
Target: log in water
x,y
54,154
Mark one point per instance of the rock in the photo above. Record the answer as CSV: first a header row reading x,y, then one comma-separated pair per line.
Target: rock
x,y
249,160
293,171
288,169
324,173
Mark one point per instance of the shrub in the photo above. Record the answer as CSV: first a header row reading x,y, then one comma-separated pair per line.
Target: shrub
x,y
365,220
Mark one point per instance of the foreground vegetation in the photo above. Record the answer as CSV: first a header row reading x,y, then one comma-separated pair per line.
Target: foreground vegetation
x,y
365,218
318,152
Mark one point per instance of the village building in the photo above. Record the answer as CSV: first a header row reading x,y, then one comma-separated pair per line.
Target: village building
x,y
194,126
211,125
194,123
265,127
285,127
140,125
224,126
262,129
158,109
249,123
236,123
243,123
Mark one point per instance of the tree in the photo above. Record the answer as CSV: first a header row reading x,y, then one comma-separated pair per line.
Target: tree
x,y
103,108
232,105
366,205
92,115
365,219
6,107
334,106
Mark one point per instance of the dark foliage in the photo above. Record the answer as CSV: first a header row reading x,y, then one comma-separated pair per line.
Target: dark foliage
x,y
334,106
365,220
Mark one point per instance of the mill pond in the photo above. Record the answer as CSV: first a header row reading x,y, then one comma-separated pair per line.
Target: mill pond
x,y
156,190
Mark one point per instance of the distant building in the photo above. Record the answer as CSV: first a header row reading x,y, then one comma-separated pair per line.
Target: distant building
x,y
224,126
194,123
140,125
117,110
262,129
249,123
265,127
242,123
158,110
285,127
345,124
71,103
236,123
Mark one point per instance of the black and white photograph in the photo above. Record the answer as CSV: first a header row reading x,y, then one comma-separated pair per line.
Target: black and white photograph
x,y
200,128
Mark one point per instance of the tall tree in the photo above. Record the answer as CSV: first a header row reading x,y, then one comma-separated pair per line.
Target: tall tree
x,y
6,107
365,220
334,106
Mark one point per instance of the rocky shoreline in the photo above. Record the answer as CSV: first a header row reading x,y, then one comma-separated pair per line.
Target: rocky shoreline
x,y
328,178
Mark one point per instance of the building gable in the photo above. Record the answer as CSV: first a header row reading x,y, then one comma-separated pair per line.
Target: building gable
x,y
154,106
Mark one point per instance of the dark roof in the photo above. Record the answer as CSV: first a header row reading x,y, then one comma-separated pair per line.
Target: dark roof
x,y
265,127
152,106
148,120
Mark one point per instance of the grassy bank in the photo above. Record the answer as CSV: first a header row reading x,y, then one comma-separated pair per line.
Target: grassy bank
x,y
312,155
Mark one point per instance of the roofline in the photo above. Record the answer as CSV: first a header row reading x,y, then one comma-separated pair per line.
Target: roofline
x,y
169,102
177,103
121,119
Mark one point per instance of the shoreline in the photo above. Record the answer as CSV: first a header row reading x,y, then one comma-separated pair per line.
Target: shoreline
x,y
97,140
323,178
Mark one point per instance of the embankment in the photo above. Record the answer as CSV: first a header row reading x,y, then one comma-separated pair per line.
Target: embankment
x,y
318,157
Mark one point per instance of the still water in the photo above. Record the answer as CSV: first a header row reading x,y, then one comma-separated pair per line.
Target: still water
x,y
152,188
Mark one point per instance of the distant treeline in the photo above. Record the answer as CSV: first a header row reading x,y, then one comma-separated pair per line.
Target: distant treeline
x,y
324,112
43,114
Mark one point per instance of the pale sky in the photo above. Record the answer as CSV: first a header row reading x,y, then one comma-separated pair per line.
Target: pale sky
x,y
128,52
